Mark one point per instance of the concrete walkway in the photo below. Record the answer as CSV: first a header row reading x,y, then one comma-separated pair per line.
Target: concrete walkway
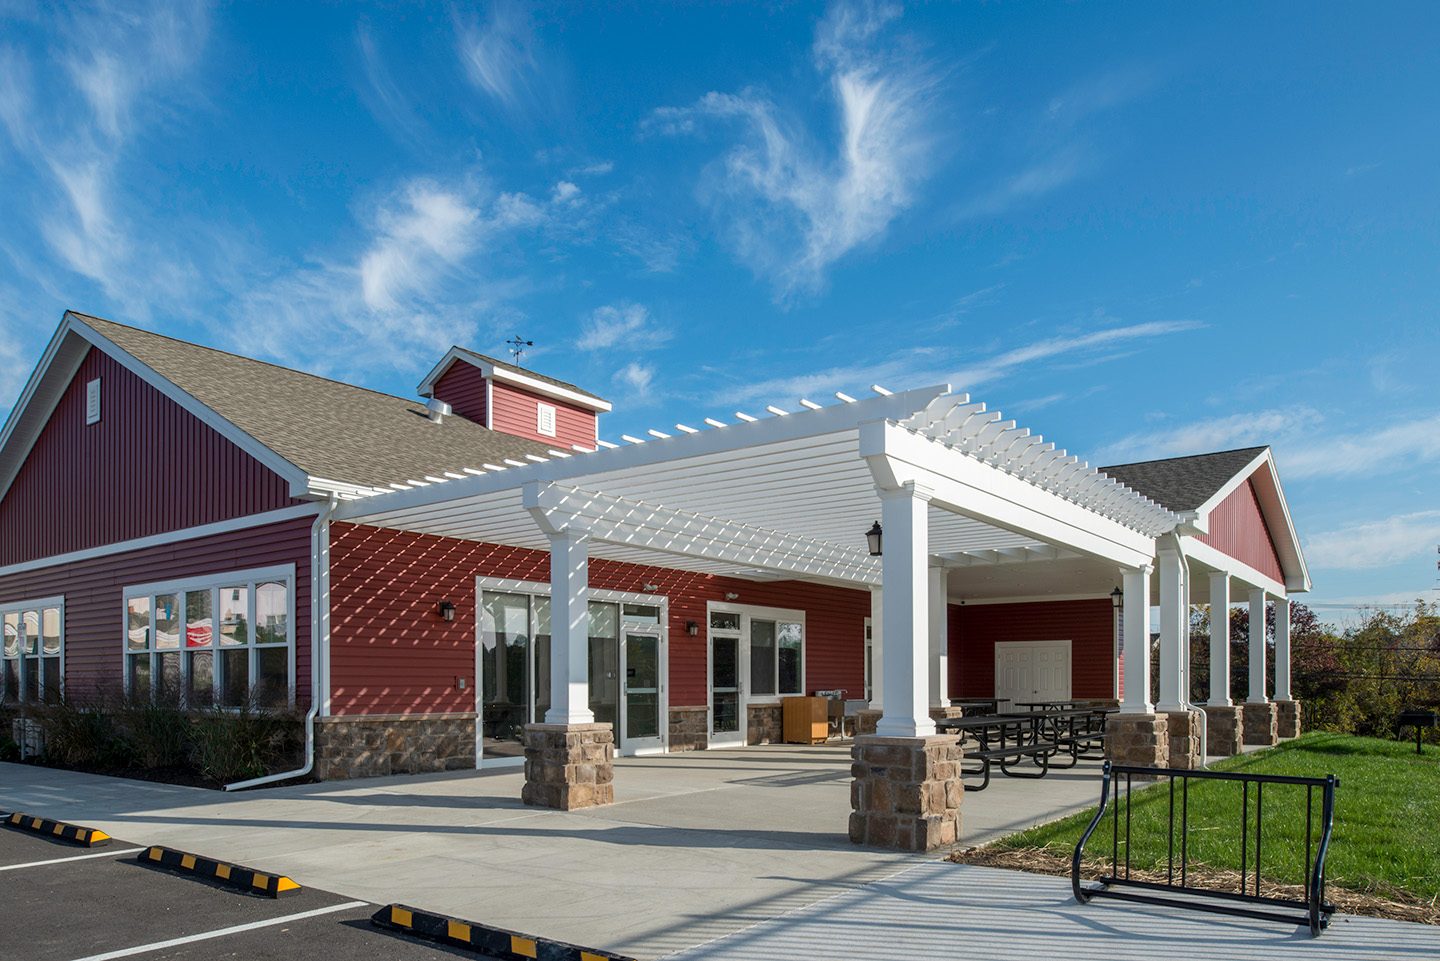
x,y
699,846
950,911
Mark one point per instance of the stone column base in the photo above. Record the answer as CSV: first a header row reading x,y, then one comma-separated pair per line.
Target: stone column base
x,y
866,720
906,792
569,766
1185,753
1224,729
1260,724
1139,740
1287,718
946,713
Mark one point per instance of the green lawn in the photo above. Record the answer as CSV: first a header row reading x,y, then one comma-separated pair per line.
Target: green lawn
x,y
1387,817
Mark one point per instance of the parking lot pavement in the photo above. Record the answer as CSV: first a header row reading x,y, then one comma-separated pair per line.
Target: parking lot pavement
x,y
64,902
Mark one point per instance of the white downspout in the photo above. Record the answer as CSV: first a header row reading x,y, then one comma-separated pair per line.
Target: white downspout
x,y
319,645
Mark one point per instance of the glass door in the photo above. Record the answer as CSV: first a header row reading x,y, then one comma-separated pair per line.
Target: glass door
x,y
727,694
641,723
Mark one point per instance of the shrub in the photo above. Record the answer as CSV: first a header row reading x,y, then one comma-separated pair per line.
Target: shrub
x,y
158,733
234,745
81,734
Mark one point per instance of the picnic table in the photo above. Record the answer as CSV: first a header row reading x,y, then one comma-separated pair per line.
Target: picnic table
x,y
1073,705
1009,740
976,705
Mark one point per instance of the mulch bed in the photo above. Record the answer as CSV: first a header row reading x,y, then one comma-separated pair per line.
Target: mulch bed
x,y
1376,903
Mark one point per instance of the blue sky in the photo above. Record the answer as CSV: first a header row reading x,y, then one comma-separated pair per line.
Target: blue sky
x,y
1182,228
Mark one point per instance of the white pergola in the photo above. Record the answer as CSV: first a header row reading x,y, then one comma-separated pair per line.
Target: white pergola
x,y
790,495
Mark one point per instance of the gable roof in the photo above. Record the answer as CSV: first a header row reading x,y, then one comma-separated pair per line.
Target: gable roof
x,y
1185,483
496,369
330,435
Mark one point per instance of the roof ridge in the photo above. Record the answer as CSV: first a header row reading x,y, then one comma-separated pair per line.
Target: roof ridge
x,y
1212,453
244,357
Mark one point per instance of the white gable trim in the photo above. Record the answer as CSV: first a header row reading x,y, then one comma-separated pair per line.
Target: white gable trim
x,y
1274,510
24,425
1201,514
495,372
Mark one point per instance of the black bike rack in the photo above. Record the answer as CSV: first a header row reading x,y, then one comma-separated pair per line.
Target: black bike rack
x,y
1176,891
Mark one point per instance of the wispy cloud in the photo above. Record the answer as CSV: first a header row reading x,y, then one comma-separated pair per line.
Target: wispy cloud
x,y
413,286
623,325
1394,539
1070,346
792,207
637,379
386,99
1216,433
501,57
1404,444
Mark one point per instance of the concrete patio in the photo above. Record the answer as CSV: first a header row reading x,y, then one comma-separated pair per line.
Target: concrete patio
x,y
698,845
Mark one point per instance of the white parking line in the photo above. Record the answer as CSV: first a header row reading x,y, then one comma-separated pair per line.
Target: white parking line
x,y
77,857
222,932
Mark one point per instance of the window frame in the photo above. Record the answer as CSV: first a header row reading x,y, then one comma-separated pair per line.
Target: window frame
x,y
250,579
39,605
747,613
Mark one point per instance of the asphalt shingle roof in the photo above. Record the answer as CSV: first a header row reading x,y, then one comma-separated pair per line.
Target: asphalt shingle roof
x,y
515,368
1183,483
328,429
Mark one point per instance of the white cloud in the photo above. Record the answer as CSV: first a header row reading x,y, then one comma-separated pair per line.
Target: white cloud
x,y
500,56
637,378
792,207
564,192
1219,433
625,325
1381,543
1068,346
1398,446
428,228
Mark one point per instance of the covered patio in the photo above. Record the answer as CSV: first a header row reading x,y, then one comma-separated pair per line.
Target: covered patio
x,y
961,496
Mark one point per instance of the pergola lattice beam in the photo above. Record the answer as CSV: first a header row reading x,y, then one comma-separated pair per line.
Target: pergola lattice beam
x,y
620,520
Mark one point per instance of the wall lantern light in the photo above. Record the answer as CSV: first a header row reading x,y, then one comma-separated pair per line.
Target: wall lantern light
x,y
650,588
1117,598
874,536
731,596
692,628
446,610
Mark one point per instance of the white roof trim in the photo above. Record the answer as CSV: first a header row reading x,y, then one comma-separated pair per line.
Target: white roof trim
x,y
1198,550
24,425
494,372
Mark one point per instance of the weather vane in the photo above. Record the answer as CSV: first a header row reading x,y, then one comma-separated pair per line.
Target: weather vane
x,y
517,347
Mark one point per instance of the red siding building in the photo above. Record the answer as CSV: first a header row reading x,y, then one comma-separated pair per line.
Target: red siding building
x,y
177,512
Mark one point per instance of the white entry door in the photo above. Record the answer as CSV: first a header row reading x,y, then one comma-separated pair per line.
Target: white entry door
x,y
1032,671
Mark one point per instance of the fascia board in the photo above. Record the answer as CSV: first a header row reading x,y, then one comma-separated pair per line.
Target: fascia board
x,y
14,456
492,372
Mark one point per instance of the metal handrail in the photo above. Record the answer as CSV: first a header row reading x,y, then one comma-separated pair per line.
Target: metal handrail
x,y
1317,911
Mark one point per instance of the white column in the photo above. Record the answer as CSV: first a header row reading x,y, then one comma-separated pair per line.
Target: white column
x,y
939,637
569,628
1137,642
905,515
1257,648
1219,639
877,648
1173,628
1282,649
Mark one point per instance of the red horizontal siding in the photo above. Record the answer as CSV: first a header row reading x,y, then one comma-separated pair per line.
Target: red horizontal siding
x,y
391,653
514,413
462,386
1237,528
93,593
1087,624
149,466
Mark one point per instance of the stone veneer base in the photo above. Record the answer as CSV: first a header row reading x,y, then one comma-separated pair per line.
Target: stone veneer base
x,y
865,721
906,792
1259,720
1185,753
689,728
1224,729
569,766
1287,718
375,745
1138,740
764,724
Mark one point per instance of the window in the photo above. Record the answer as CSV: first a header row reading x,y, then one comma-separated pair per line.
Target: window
x,y
32,666
226,640
773,654
545,419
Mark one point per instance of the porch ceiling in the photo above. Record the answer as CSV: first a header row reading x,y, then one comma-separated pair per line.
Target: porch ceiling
x,y
792,476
